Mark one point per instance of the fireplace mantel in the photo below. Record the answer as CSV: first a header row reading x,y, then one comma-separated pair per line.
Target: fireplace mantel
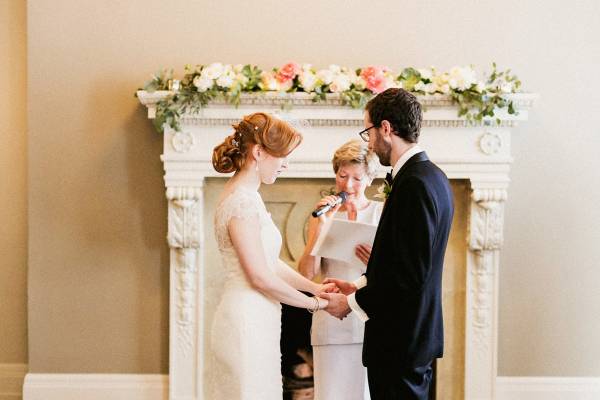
x,y
473,151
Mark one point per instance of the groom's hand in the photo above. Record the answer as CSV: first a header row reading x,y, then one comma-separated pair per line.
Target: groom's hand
x,y
347,288
338,305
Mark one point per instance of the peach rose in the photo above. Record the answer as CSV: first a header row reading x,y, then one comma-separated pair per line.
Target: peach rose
x,y
288,72
375,78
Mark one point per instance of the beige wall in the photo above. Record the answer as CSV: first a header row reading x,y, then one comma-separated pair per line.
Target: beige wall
x,y
97,258
13,182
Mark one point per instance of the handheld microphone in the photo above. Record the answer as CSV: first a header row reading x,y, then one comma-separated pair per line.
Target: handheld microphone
x,y
341,198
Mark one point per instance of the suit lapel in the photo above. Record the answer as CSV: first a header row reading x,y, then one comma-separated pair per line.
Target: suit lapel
x,y
419,157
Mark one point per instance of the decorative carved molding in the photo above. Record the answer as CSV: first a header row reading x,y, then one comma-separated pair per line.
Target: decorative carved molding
x,y
299,99
182,142
184,192
463,123
487,218
184,217
184,265
490,143
482,306
485,239
198,120
184,230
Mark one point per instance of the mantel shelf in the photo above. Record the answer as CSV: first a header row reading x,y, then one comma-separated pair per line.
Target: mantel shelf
x,y
437,107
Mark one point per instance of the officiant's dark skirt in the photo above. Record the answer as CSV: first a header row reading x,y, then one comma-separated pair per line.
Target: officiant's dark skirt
x,y
295,340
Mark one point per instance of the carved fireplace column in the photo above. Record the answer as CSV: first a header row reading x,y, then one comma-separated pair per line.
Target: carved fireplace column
x,y
185,238
485,239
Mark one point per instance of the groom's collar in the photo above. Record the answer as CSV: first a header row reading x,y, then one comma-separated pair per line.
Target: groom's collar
x,y
404,158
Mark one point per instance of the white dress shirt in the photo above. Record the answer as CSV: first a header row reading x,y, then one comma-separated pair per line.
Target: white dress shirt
x,y
362,280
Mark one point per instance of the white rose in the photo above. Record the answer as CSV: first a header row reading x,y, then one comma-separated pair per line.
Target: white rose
x,y
430,88
440,83
308,80
306,67
340,83
506,87
268,81
426,73
202,83
213,71
351,74
225,80
227,77
462,78
480,87
335,69
391,82
242,79
360,83
325,76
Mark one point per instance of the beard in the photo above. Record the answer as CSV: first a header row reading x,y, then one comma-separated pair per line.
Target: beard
x,y
383,151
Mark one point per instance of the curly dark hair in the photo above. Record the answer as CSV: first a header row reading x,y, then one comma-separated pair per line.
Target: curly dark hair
x,y
401,109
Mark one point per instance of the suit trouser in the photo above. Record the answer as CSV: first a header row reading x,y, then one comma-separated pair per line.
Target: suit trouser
x,y
399,383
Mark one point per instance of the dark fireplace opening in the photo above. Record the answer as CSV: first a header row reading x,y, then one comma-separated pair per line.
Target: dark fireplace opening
x,y
296,355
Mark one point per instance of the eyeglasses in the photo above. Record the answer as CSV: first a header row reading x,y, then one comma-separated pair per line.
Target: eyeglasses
x,y
364,134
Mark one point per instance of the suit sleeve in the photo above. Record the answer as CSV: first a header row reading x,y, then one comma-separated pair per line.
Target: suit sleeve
x,y
403,263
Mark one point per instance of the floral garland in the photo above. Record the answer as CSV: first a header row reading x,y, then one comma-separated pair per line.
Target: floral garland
x,y
476,97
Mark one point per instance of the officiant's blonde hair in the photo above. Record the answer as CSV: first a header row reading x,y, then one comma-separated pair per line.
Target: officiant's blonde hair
x,y
275,136
355,152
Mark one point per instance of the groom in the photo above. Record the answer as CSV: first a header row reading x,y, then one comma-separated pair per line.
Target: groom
x,y
400,296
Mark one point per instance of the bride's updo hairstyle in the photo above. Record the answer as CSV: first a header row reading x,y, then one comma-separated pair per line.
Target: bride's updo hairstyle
x,y
275,136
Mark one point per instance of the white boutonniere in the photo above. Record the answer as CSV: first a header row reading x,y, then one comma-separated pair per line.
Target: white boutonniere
x,y
384,190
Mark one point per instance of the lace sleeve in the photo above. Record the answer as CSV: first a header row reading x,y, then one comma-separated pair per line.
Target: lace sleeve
x,y
237,205
242,205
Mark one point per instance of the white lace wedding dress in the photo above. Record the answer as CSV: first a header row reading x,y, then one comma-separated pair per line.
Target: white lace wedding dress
x,y
247,324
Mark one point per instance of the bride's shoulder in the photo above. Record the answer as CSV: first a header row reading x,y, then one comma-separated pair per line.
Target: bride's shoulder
x,y
238,202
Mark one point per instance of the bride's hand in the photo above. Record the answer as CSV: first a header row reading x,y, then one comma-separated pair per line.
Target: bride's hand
x,y
330,287
323,303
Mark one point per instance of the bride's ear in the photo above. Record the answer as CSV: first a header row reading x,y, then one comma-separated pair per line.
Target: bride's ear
x,y
257,151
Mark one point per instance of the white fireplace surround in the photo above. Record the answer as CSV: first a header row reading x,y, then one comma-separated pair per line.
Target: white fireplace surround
x,y
477,152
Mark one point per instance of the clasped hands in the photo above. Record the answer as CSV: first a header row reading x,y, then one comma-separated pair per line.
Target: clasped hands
x,y
335,292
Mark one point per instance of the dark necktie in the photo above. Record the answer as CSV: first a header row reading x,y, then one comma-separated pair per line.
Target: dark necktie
x,y
388,178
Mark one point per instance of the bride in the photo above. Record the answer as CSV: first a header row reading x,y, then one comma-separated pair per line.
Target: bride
x,y
247,323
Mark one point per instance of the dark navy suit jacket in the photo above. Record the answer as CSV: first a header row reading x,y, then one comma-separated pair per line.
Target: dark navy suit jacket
x,y
404,274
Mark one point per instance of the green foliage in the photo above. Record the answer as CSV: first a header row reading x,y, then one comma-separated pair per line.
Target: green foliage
x,y
409,78
478,105
479,102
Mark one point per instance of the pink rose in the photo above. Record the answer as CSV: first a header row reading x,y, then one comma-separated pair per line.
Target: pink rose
x,y
288,72
375,78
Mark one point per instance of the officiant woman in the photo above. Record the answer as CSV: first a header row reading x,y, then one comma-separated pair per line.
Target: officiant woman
x,y
337,344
